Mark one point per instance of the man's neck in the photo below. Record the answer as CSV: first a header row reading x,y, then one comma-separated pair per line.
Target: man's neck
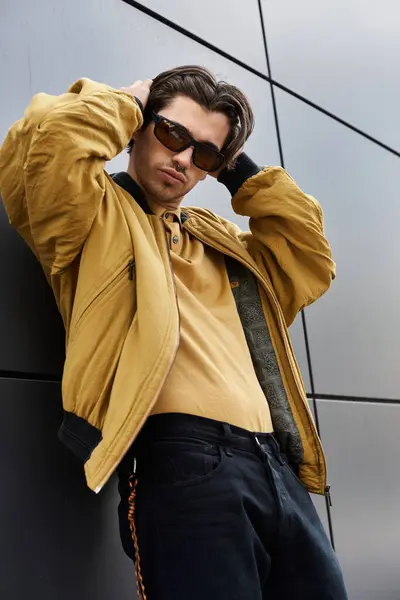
x,y
157,206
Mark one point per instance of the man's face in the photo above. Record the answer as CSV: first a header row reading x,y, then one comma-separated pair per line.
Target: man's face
x,y
151,162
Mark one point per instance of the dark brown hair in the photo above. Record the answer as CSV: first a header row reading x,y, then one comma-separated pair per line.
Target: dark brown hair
x,y
199,84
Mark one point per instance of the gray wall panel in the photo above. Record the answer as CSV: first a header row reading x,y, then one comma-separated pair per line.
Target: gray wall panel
x,y
231,25
361,443
354,330
58,539
122,42
342,54
32,333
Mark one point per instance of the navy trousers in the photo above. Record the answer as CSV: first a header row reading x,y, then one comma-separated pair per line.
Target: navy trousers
x,y
221,515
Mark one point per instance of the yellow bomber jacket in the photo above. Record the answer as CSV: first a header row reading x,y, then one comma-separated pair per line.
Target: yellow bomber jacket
x,y
109,267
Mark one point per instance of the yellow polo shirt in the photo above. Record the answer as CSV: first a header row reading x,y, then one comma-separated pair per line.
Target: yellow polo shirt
x,y
213,374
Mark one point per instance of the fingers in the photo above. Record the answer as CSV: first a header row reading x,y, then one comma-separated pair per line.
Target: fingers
x,y
140,89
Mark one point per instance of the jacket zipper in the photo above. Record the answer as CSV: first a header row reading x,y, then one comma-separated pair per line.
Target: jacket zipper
x,y
328,494
271,296
132,439
131,268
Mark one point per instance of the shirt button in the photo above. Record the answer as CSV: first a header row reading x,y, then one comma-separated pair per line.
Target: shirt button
x,y
175,239
166,215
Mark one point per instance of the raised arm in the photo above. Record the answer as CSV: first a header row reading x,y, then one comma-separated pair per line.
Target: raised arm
x,y
286,235
52,161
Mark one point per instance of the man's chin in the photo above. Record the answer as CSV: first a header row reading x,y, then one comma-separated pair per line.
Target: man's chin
x,y
165,194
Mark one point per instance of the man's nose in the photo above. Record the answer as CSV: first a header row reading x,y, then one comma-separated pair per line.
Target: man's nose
x,y
184,158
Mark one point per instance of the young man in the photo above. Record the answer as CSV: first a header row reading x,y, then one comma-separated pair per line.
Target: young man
x,y
179,369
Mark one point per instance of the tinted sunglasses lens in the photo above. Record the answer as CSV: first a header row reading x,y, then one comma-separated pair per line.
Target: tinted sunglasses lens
x,y
171,136
207,158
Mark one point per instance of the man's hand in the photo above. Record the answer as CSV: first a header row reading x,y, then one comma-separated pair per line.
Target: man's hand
x,y
140,89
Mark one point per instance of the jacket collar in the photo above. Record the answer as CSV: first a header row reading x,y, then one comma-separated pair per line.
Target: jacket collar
x,y
124,180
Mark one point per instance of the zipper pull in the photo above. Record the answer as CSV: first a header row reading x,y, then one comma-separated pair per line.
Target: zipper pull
x,y
131,268
328,494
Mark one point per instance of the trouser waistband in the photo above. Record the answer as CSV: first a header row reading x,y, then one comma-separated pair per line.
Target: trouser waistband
x,y
170,425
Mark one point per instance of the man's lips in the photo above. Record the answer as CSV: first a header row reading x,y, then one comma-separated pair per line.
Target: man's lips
x,y
173,174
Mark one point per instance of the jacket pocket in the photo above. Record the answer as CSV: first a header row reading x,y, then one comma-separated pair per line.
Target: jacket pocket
x,y
124,273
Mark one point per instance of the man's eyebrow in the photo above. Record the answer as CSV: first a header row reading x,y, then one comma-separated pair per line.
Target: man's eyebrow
x,y
192,136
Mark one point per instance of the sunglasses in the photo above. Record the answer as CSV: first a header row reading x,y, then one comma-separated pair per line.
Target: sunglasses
x,y
176,138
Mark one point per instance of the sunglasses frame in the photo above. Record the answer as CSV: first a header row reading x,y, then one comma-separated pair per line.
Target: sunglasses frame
x,y
192,142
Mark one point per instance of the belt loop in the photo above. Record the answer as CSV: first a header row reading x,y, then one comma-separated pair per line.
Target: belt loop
x,y
227,431
277,449
228,437
277,444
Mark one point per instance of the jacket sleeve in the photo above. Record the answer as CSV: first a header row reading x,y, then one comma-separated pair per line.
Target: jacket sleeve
x,y
286,236
52,177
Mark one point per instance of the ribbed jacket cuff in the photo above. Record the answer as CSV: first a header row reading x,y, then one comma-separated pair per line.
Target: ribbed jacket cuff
x,y
234,178
140,105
